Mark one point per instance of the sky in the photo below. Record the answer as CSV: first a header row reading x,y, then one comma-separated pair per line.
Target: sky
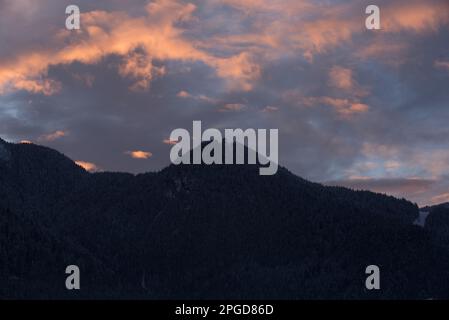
x,y
367,109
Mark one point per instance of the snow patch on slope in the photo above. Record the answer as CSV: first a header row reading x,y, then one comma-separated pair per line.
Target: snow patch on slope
x,y
421,220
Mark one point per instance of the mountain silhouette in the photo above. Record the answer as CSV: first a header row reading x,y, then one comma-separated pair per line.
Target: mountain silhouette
x,y
437,224
203,231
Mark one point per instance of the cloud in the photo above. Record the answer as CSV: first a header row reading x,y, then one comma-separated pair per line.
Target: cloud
x,y
441,64
199,97
169,142
383,49
138,154
116,33
441,198
430,162
416,16
138,66
344,107
232,107
416,174
88,166
380,150
312,28
184,94
341,78
87,79
53,136
276,28
240,71
269,109
47,87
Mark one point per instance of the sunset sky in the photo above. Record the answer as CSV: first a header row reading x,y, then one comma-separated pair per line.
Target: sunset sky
x,y
368,109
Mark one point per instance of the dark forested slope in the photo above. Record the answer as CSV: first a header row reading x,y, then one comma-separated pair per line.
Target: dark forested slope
x,y
204,232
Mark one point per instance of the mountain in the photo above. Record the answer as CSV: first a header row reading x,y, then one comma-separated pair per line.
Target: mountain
x,y
437,224
431,208
198,231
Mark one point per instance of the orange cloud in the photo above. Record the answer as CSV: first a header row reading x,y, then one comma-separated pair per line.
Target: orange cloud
x,y
170,142
203,98
316,27
230,107
441,198
105,33
184,94
138,154
384,50
341,78
344,107
47,87
281,28
53,136
358,107
139,66
88,166
276,28
416,16
240,70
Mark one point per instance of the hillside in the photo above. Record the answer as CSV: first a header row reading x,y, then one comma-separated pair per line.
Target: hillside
x,y
205,232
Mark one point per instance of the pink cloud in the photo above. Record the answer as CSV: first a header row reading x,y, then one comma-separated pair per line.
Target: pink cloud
x,y
139,154
274,29
341,78
232,107
344,107
184,94
170,142
53,136
441,198
88,166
